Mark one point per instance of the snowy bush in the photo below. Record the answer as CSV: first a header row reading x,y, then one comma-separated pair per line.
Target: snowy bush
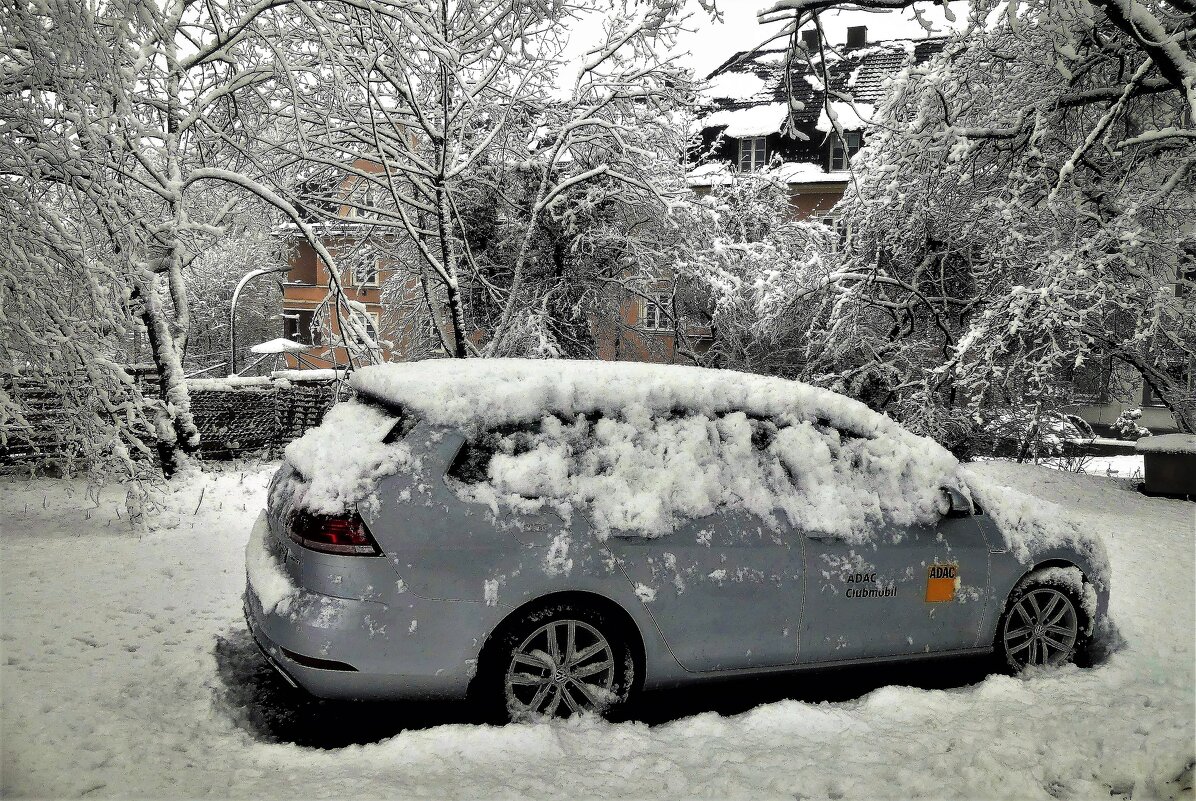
x,y
1127,427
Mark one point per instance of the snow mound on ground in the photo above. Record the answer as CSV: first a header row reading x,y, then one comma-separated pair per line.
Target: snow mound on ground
x,y
341,460
674,443
1032,526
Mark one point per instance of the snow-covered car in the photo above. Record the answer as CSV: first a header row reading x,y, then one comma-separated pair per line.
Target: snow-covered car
x,y
551,537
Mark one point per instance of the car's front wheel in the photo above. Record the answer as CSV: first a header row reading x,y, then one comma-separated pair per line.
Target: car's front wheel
x,y
1043,625
558,661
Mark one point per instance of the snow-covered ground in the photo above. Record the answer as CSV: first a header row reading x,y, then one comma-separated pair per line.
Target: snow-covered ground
x,y
127,672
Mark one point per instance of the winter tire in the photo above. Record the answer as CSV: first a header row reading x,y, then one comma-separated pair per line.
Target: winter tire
x,y
562,660
1043,625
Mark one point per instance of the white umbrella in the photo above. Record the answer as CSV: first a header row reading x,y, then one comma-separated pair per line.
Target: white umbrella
x,y
279,345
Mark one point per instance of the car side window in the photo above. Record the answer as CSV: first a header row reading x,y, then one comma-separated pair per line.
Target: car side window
x,y
472,463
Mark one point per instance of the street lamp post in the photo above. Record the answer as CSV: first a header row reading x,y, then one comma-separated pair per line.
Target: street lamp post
x,y
232,313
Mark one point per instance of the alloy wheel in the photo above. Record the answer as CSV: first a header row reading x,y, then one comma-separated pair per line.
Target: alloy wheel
x,y
565,667
1041,629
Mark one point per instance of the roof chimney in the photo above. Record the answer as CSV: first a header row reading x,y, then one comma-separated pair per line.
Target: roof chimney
x,y
809,40
857,36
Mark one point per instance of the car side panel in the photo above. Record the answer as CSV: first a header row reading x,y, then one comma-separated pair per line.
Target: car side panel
x,y
725,591
871,600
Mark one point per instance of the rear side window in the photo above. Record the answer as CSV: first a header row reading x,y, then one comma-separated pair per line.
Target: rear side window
x,y
471,465
404,420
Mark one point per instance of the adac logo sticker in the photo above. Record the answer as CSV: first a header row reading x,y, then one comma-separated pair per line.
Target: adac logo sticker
x,y
941,582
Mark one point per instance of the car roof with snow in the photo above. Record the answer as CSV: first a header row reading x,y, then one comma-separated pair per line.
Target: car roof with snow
x,y
495,392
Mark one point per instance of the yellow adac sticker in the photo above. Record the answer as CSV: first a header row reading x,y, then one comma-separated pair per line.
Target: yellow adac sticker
x,y
941,582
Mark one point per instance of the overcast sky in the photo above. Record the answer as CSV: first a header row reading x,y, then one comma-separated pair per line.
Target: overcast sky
x,y
710,44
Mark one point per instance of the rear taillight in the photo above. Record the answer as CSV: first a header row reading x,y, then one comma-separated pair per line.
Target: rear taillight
x,y
345,535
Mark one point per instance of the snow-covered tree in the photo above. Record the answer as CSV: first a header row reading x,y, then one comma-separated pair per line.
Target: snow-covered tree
x,y
127,141
437,108
1021,211
742,255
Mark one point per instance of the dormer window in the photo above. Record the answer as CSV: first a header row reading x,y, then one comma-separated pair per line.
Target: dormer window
x,y
752,153
842,149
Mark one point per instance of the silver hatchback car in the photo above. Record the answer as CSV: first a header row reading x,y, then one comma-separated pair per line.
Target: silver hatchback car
x,y
549,538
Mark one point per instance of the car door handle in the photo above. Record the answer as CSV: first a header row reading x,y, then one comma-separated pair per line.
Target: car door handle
x,y
825,538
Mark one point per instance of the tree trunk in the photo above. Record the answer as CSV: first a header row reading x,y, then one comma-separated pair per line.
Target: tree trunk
x,y
176,432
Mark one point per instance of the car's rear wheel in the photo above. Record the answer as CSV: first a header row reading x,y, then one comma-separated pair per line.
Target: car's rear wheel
x,y
558,661
1042,626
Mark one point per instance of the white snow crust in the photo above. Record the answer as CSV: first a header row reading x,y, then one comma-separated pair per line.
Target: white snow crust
x,y
850,116
270,583
676,443
278,345
760,120
341,460
735,86
719,173
1167,443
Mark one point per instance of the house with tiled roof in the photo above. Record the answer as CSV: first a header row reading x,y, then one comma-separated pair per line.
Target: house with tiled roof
x,y
748,101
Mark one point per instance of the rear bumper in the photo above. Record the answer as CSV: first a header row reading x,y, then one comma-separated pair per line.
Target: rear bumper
x,y
289,644
347,648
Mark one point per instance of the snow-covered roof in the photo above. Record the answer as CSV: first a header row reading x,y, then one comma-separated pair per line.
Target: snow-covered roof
x,y
759,120
849,116
672,443
279,345
756,78
496,392
1167,443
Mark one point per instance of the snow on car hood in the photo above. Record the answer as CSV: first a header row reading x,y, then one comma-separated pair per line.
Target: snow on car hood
x,y
1032,527
675,443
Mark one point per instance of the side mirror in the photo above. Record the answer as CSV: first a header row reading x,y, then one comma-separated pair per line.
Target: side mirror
x,y
957,504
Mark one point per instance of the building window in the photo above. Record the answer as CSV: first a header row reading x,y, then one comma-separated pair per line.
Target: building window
x,y
1185,271
654,314
373,324
838,228
842,149
752,153
297,326
303,265
364,274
